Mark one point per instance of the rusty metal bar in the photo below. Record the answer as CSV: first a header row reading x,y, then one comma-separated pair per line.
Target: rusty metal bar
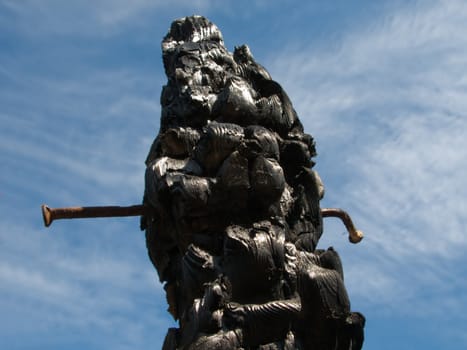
x,y
51,214
355,235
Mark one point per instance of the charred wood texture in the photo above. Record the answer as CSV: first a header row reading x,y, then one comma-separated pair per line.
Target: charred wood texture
x,y
234,216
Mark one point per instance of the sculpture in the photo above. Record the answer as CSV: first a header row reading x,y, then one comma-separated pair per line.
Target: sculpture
x,y
231,208
232,213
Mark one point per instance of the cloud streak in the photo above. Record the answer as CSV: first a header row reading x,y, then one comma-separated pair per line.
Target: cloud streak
x,y
103,18
78,137
385,101
387,106
103,154
94,283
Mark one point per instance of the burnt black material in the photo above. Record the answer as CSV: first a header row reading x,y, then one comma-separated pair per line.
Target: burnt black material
x,y
236,217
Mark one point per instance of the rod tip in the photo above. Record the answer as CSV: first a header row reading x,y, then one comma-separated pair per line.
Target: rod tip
x,y
356,236
46,215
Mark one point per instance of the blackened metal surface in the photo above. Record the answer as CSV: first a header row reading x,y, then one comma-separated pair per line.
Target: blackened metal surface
x,y
235,216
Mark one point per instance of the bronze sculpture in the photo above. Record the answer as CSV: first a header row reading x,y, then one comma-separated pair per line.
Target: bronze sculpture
x,y
236,217
231,208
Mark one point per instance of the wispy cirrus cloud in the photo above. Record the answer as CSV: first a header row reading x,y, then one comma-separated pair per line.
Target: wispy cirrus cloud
x,y
387,106
81,133
75,133
385,101
60,281
99,18
83,17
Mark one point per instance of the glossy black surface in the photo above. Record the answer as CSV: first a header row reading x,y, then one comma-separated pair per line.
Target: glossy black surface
x,y
236,217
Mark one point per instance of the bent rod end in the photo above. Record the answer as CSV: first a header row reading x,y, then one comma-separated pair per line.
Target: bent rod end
x,y
46,215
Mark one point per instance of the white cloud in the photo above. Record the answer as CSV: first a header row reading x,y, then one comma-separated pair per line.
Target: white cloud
x,y
103,18
74,134
388,106
94,131
78,138
106,17
87,17
97,284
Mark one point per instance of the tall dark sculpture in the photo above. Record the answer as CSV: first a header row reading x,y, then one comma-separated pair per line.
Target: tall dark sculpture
x,y
233,216
231,208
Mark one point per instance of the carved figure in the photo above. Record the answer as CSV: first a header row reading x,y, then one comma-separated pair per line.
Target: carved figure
x,y
233,216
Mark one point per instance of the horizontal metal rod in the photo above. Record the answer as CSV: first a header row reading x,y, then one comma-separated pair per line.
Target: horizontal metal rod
x,y
51,214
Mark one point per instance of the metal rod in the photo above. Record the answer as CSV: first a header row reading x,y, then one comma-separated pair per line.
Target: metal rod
x,y
355,235
51,214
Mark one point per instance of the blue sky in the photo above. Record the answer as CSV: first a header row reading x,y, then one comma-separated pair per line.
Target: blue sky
x,y
382,86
